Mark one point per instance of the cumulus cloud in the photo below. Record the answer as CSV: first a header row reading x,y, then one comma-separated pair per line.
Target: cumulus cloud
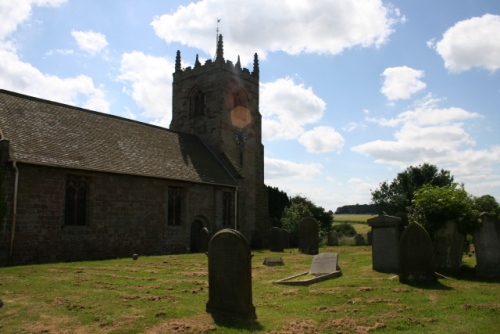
x,y
471,43
322,139
284,169
148,81
435,135
90,41
286,107
320,26
401,82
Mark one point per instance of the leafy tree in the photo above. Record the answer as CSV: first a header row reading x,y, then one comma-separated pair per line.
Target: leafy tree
x,y
487,203
302,207
394,198
344,229
433,206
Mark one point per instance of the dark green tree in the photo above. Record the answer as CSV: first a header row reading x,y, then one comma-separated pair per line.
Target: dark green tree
x,y
302,207
395,197
487,203
278,201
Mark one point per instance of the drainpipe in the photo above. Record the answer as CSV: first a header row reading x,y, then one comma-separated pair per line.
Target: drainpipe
x,y
236,209
14,212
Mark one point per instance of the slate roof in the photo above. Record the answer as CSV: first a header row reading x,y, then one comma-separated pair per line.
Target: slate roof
x,y
48,133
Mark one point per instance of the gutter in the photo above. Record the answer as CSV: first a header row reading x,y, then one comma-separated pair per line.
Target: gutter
x,y
14,213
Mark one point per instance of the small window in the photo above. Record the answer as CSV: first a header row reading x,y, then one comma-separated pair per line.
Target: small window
x,y
174,206
75,211
196,102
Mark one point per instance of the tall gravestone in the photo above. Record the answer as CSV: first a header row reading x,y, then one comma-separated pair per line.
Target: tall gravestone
x,y
230,277
276,240
309,236
448,248
385,243
333,238
487,247
416,256
286,239
359,240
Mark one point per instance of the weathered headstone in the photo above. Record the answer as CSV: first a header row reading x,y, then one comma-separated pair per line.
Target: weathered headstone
x,y
416,256
385,243
359,240
308,236
203,240
275,239
230,277
273,261
286,239
333,238
324,263
448,248
487,247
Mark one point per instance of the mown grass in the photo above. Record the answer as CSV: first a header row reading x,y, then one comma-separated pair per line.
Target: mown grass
x,y
167,294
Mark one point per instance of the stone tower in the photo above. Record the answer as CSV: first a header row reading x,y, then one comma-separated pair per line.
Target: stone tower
x,y
219,102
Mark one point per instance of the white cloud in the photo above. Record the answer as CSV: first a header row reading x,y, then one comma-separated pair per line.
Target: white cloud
x,y
401,82
320,26
150,80
15,12
22,77
434,135
89,41
286,107
471,43
284,169
322,139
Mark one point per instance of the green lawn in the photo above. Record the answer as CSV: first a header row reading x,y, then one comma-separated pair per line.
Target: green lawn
x,y
167,294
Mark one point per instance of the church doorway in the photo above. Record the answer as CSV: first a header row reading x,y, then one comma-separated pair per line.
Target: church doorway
x,y
196,228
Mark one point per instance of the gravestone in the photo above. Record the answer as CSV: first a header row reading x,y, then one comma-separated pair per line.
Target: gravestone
x,y
487,247
308,236
333,238
286,239
275,240
324,263
256,242
203,240
359,240
385,242
416,256
230,277
273,261
448,248
369,237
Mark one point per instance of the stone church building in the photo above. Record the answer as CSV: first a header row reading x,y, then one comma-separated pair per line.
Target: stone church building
x,y
82,185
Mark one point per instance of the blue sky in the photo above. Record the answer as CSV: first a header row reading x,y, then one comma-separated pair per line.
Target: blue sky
x,y
352,91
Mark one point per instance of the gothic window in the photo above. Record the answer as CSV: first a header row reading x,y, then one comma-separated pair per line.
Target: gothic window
x,y
75,207
227,209
196,102
240,99
174,205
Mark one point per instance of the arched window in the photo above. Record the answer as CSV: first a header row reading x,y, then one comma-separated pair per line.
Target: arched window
x,y
240,99
196,102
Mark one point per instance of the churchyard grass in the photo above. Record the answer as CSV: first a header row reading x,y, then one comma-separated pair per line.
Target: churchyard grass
x,y
167,294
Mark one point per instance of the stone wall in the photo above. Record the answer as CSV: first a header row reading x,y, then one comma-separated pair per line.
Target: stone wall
x,y
126,215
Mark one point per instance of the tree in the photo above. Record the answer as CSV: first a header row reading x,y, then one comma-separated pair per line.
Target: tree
x,y
433,206
487,203
396,197
302,207
278,201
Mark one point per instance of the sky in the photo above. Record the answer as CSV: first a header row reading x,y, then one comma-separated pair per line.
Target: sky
x,y
352,92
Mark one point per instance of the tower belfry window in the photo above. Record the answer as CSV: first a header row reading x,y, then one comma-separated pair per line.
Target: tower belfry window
x,y
196,102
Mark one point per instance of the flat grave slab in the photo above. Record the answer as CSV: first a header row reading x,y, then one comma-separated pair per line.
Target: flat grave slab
x,y
324,266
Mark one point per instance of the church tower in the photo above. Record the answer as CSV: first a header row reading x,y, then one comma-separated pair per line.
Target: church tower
x,y
219,102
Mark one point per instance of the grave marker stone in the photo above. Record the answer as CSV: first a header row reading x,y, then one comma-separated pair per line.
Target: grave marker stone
x,y
359,240
333,238
273,261
324,263
276,240
230,277
203,240
308,236
385,243
416,256
448,248
487,247
286,239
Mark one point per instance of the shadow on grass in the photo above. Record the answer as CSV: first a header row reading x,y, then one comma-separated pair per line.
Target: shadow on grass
x,y
429,286
468,273
238,324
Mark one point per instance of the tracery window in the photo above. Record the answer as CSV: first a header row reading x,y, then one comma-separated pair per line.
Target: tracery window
x,y
196,102
227,209
174,206
75,207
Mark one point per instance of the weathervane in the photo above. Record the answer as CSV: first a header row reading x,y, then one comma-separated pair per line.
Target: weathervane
x,y
216,37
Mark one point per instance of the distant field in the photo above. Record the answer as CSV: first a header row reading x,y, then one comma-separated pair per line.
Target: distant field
x,y
348,218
